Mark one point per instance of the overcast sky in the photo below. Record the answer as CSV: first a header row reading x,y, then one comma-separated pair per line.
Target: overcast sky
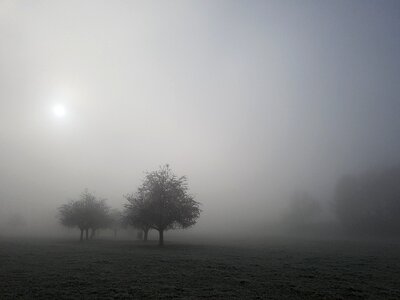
x,y
250,99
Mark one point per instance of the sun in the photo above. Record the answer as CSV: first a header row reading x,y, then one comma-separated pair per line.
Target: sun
x,y
59,110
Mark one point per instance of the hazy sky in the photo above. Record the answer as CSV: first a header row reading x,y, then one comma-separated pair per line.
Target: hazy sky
x,y
250,99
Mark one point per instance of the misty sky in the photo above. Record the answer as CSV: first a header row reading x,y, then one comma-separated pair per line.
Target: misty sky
x,y
250,99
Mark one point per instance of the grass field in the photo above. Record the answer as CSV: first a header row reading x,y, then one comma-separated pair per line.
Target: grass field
x,y
277,269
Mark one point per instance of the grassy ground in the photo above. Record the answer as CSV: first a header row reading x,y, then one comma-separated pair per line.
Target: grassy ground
x,y
51,269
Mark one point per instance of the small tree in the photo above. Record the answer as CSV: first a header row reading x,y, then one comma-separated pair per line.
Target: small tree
x,y
99,216
72,214
163,202
86,213
136,213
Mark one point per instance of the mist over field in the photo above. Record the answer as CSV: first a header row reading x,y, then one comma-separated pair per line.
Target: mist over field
x,y
252,101
283,116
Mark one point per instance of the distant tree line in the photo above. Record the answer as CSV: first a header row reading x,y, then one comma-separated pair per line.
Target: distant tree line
x,y
369,203
162,202
364,204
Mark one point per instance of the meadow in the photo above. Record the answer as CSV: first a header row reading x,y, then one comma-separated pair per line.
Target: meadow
x,y
272,269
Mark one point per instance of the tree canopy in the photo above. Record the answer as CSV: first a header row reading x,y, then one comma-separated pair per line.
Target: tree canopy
x,y
162,203
86,213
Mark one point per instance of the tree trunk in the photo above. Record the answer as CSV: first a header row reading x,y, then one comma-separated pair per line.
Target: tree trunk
x,y
87,233
81,238
161,240
146,232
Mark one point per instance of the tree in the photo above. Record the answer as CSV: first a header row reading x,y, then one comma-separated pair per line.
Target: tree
x,y
162,203
99,215
116,221
86,213
136,213
369,203
72,214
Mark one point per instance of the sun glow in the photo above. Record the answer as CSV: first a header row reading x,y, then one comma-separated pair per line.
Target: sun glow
x,y
59,110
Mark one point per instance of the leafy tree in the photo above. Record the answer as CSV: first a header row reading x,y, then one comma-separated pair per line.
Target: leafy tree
x,y
72,214
136,213
99,215
162,203
86,213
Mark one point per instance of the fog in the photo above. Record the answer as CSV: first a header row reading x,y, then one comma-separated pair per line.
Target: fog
x,y
254,101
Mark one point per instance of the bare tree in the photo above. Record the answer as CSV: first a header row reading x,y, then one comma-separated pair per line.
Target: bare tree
x,y
86,213
163,202
135,213
99,216
72,214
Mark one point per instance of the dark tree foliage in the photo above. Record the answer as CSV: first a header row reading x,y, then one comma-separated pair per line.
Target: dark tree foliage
x,y
136,213
370,203
162,203
86,213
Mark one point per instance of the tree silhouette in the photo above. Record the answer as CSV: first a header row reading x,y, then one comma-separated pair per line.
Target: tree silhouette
x,y
86,213
136,213
369,203
162,203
